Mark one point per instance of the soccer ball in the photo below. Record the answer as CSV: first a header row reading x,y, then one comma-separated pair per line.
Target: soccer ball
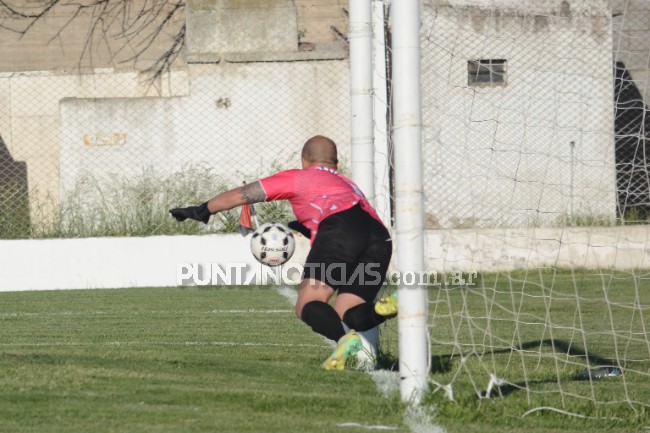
x,y
272,244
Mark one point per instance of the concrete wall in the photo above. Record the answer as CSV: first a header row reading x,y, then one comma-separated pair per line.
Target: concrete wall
x,y
243,113
42,49
155,261
538,147
242,120
492,250
30,119
217,26
522,154
99,263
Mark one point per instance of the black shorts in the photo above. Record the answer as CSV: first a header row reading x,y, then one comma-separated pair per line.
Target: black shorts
x,y
351,253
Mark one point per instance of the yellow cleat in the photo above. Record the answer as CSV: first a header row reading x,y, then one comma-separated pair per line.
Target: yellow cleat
x,y
387,306
348,346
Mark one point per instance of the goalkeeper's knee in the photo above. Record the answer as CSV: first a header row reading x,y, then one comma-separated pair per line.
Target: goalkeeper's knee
x,y
362,317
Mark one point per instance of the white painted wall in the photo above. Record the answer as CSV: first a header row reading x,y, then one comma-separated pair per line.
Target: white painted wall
x,y
100,263
30,119
52,264
492,250
242,120
502,156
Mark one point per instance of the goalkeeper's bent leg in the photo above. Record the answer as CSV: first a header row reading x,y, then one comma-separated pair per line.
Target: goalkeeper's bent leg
x,y
365,316
323,319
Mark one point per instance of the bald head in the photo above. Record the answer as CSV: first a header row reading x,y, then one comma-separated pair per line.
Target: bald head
x,y
319,150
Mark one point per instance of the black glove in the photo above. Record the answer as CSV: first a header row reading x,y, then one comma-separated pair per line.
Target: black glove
x,y
198,213
295,225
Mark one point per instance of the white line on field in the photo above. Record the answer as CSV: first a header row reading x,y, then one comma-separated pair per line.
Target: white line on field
x,y
135,312
155,343
366,426
252,311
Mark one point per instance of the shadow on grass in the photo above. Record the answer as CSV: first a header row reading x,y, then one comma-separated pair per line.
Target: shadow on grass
x,y
444,363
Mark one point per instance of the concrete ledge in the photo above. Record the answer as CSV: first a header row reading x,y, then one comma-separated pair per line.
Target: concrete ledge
x,y
155,261
50,264
202,58
490,250
292,56
289,56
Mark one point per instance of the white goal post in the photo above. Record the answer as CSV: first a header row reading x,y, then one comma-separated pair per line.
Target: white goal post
x,y
409,221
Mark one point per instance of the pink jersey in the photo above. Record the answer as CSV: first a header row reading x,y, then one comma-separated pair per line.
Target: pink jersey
x,y
315,193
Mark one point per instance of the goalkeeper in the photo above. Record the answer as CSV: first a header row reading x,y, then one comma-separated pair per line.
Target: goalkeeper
x,y
350,247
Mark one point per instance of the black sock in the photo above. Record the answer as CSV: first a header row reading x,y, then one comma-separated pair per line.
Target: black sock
x,y
363,317
323,319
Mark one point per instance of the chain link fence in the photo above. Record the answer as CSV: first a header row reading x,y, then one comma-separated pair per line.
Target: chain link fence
x,y
534,113
100,148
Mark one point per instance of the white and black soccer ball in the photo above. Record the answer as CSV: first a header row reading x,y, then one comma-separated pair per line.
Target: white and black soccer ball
x,y
272,244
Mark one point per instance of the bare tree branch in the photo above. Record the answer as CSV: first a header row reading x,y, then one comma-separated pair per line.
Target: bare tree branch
x,y
30,19
128,31
164,62
150,38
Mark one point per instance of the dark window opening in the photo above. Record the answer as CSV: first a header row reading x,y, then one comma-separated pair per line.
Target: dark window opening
x,y
486,71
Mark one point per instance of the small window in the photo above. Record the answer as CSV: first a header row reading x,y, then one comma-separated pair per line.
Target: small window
x,y
486,71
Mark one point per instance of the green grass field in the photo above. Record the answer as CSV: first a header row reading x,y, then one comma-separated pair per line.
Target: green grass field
x,y
237,360
172,360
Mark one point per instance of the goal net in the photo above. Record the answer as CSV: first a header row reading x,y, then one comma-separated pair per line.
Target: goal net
x,y
536,203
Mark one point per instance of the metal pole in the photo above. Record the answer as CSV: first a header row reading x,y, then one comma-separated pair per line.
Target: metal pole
x,y
380,99
361,116
409,220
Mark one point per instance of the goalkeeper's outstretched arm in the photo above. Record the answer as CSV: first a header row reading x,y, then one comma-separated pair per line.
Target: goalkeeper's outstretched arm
x,y
247,194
